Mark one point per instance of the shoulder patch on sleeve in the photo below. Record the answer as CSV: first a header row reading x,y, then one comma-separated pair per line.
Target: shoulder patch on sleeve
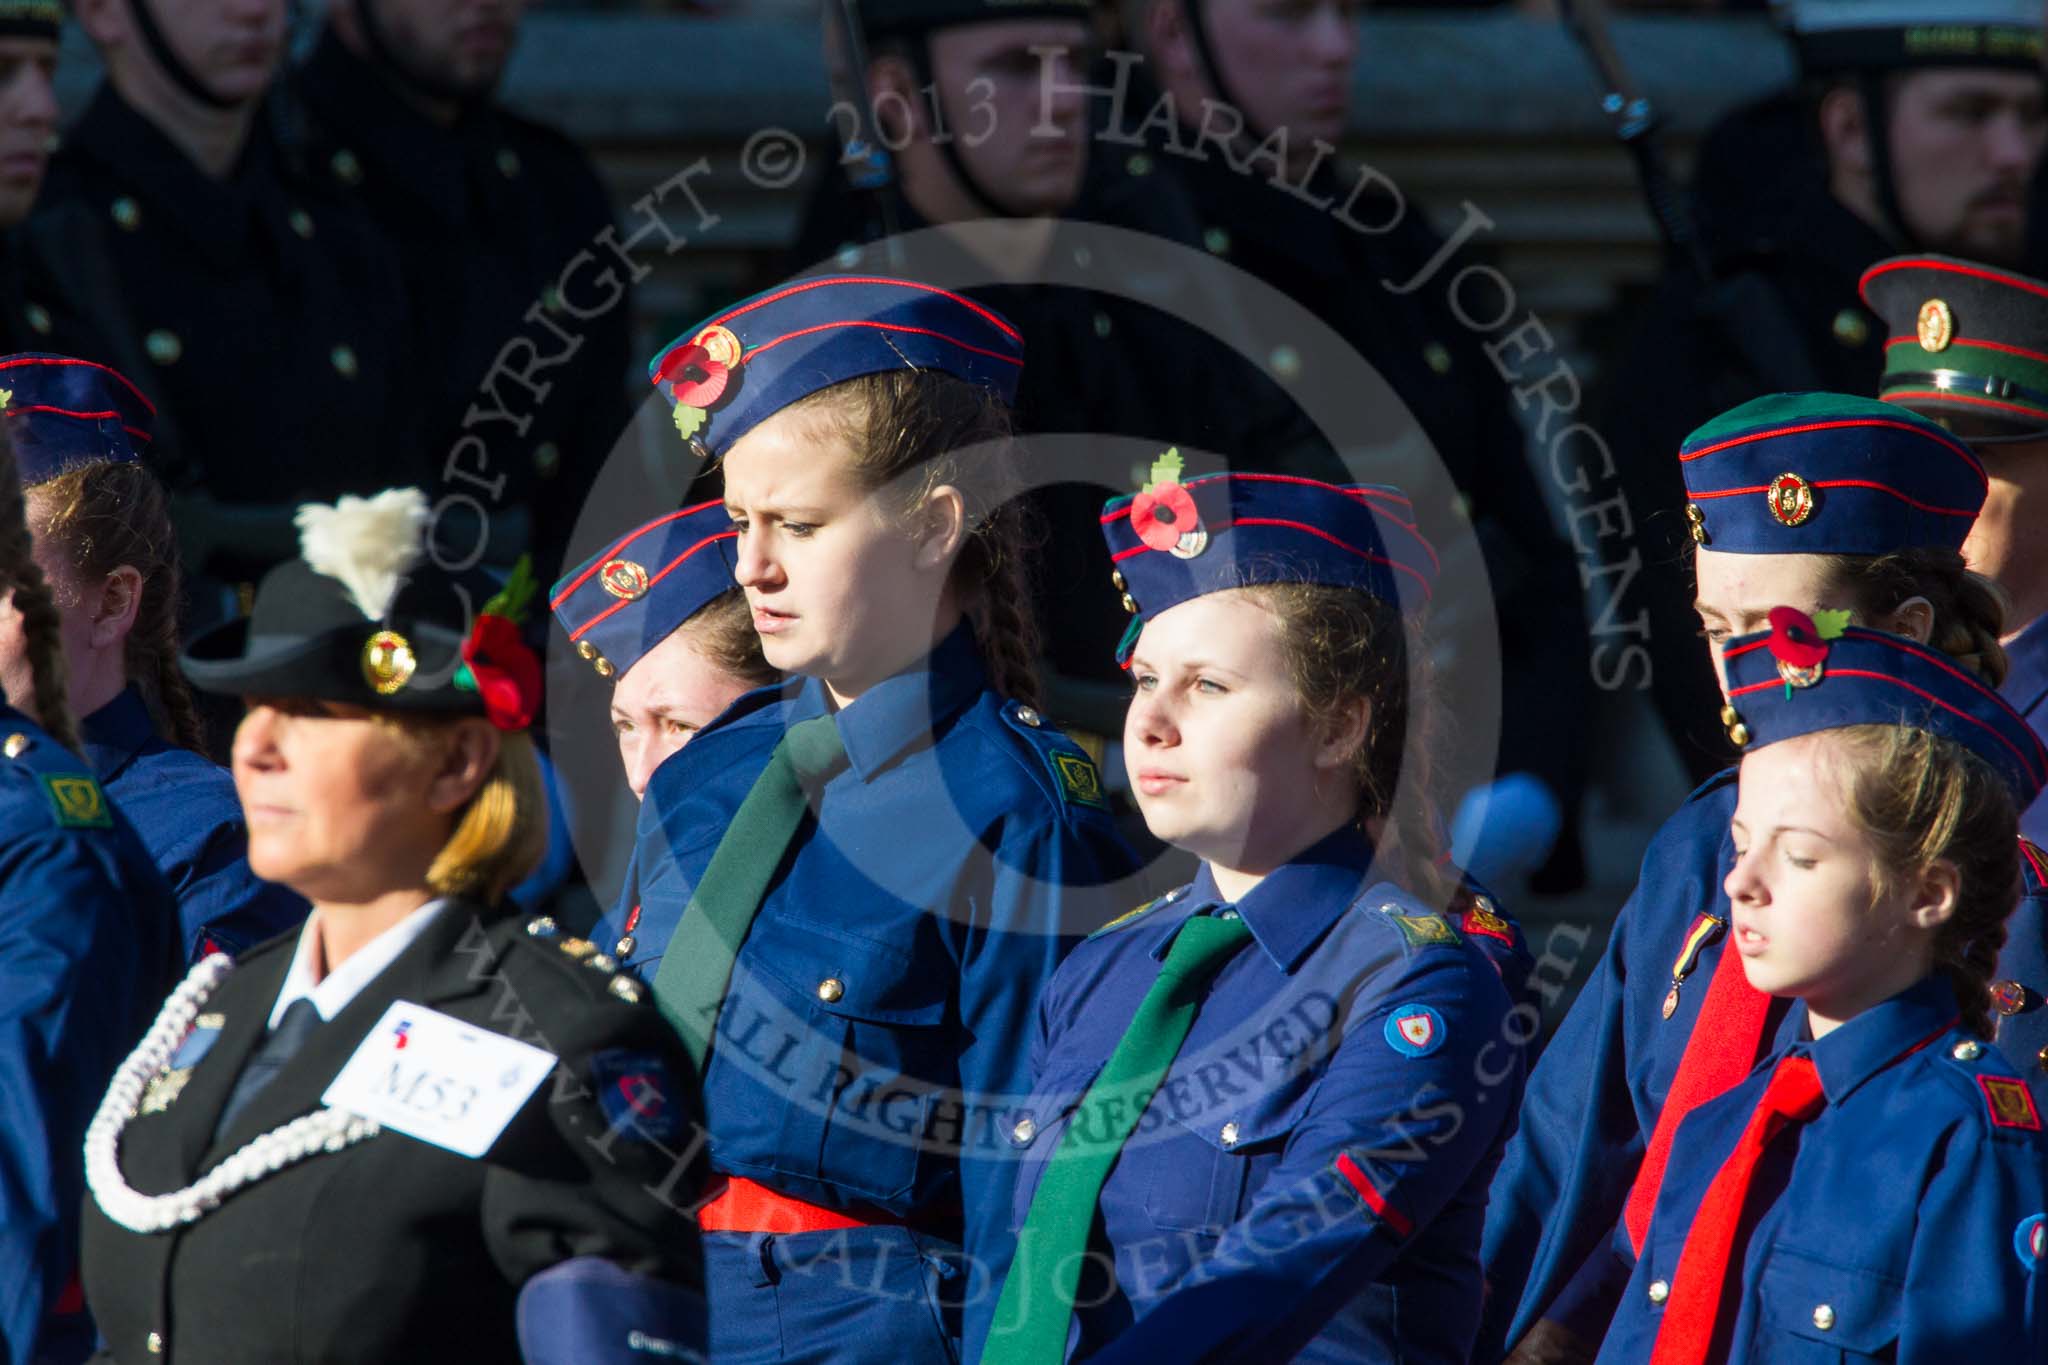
x,y
76,801
636,1093
2010,1104
1414,1029
1422,929
2030,1241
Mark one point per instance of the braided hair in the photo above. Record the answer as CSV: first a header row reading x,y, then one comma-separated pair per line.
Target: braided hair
x,y
99,517
1969,611
918,430
20,576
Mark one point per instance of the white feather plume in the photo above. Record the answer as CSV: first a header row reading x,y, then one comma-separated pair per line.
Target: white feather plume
x,y
368,545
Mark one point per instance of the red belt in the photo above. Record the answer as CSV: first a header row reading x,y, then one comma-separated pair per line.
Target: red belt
x,y
743,1205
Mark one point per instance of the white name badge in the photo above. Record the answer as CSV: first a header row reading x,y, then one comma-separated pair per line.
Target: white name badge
x,y
438,1079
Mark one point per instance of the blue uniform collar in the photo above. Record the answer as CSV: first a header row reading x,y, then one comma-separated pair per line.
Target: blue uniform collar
x,y
1290,911
2026,676
902,712
116,733
1879,1036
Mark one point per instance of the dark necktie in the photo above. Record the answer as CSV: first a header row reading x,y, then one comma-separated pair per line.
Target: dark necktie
x,y
1038,1295
1699,1290
696,967
279,1046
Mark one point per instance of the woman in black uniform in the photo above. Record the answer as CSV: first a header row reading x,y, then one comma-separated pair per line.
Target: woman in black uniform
x,y
418,1121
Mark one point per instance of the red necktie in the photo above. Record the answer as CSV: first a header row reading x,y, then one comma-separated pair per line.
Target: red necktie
x,y
1699,1289
1721,1051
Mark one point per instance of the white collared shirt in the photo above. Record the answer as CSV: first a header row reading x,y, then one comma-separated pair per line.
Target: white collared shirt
x,y
332,993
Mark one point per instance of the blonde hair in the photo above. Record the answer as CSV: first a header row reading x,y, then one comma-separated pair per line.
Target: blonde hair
x,y
40,626
920,430
1922,799
501,832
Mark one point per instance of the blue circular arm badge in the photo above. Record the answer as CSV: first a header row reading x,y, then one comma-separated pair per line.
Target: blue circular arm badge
x,y
1415,1030
2030,1241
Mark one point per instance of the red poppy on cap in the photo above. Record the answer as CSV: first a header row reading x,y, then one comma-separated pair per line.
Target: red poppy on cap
x,y
1795,639
506,671
1163,514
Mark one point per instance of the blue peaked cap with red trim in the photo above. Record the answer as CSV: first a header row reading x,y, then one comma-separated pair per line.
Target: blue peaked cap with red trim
x,y
63,412
626,599
1828,473
1789,681
1178,541
741,366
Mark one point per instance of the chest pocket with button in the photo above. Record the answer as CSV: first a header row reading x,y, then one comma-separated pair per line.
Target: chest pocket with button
x,y
1815,1310
1035,1128
1215,1147
867,1037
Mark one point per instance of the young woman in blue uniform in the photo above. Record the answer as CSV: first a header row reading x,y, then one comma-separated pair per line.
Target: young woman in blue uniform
x,y
1275,1095
852,888
657,615
88,945
104,536
1878,1188
422,1128
1822,502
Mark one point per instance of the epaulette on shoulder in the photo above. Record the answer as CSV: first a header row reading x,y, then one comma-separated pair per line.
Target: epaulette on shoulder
x,y
1474,911
592,970
2008,1104
1065,770
72,796
1419,926
2033,868
1130,917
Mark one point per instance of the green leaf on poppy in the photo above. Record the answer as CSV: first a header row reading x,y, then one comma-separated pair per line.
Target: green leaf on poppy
x,y
1831,624
1165,469
512,600
689,420
465,681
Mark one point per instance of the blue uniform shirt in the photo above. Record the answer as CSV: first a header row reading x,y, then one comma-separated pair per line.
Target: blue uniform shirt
x,y
1594,1098
2026,690
876,1032
189,818
87,953
1898,1224
1311,1176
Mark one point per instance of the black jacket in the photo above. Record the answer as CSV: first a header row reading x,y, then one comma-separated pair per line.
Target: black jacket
x,y
495,221
395,1250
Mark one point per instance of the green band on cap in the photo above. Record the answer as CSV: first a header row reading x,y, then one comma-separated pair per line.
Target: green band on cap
x,y
2002,375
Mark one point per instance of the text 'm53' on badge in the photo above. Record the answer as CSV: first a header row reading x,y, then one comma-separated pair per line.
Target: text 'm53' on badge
x,y
438,1079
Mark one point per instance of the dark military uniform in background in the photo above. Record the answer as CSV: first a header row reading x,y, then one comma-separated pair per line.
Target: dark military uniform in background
x,y
261,314
1103,365
1782,315
485,215
1434,364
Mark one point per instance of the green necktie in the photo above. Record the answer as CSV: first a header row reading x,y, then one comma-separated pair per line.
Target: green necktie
x,y
696,967
1038,1295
